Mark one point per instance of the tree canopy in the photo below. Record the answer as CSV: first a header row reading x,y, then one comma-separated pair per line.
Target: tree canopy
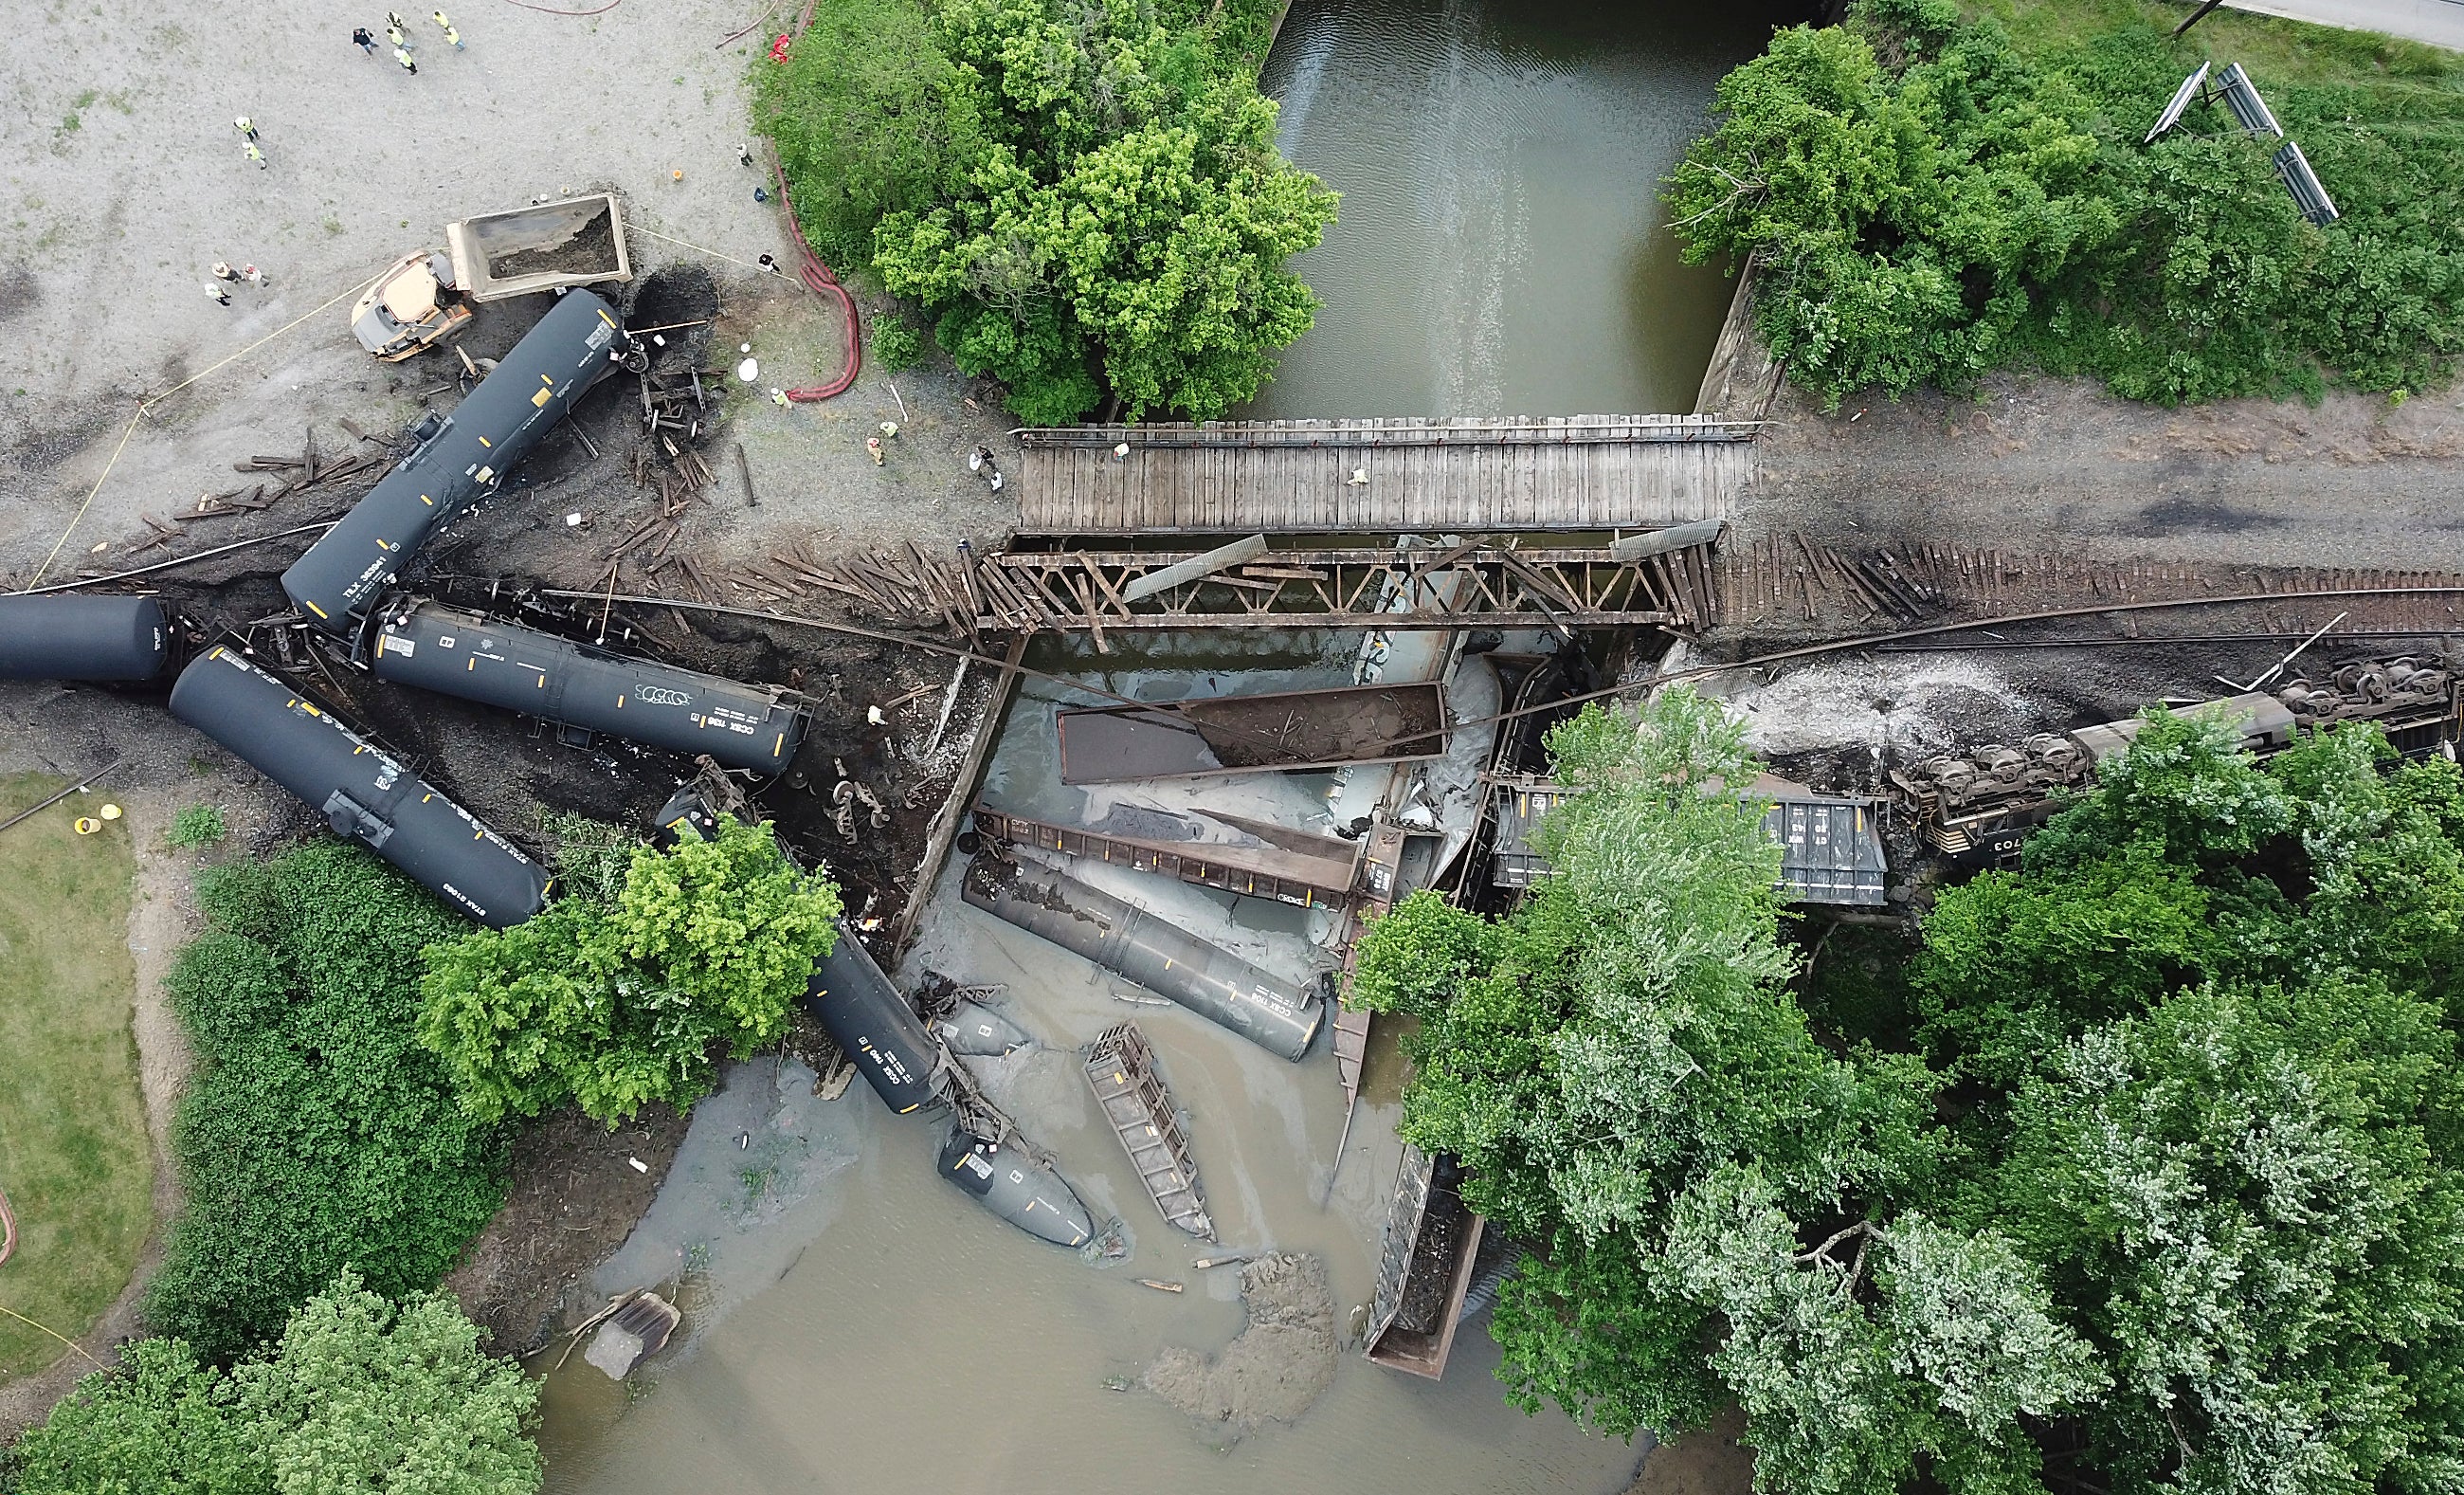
x,y
359,1397
1929,202
621,991
1084,195
317,1134
2135,1175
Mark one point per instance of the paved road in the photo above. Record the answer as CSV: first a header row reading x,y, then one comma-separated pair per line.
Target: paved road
x,y
2439,22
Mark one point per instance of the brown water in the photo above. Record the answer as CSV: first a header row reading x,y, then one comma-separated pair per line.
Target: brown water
x,y
1501,248
854,1323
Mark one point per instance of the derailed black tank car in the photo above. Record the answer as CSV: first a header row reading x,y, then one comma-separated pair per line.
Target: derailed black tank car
x,y
522,669
575,346
90,638
871,1023
362,794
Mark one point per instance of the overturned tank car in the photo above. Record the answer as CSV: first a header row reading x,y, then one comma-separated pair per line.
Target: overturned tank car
x,y
453,652
363,794
82,638
462,461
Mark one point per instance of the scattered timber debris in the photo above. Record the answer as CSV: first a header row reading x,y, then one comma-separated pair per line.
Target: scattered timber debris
x,y
279,477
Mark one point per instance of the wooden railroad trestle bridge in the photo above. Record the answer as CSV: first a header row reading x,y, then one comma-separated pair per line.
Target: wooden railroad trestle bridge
x,y
1473,584
1553,473
1544,522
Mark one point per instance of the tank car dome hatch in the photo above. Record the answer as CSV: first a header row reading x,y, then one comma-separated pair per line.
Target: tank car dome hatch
x,y
540,675
362,794
1004,1178
576,345
82,638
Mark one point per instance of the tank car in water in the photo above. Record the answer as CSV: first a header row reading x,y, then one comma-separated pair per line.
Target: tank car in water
x,y
872,1024
1278,1016
1005,1179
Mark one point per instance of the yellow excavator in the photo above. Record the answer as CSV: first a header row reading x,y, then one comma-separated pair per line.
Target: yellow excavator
x,y
424,299
410,307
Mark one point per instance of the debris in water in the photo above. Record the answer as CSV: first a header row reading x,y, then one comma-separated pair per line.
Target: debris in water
x,y
634,1332
1275,1368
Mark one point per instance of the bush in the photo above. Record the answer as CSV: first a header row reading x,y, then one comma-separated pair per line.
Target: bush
x,y
1080,197
896,346
1929,202
622,999
359,1395
318,1135
198,825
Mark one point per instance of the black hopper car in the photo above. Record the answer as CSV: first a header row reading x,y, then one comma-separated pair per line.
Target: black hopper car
x,y
82,638
520,669
576,345
362,794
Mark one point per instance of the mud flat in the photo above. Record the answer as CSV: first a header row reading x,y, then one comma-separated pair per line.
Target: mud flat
x,y
1276,1368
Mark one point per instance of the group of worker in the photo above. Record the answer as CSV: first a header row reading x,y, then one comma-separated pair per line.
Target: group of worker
x,y
225,275
397,34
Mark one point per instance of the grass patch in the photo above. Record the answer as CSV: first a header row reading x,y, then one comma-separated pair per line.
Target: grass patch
x,y
198,825
1937,192
73,1150
2272,50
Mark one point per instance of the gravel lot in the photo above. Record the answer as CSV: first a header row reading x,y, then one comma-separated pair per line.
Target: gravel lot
x,y
127,181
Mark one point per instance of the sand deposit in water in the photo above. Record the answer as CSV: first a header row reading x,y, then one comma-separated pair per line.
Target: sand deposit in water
x,y
1276,1367
871,1329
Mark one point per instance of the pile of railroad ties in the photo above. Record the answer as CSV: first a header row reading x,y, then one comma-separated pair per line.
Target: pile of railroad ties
x,y
344,586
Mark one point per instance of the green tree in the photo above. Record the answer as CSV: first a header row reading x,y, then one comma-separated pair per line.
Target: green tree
x,y
2247,1196
1930,201
869,118
2184,1218
1082,197
162,1424
319,1134
1618,1041
615,1001
366,1396
1877,1347
360,1396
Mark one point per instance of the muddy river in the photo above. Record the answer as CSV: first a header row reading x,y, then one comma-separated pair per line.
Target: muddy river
x,y
1501,248
855,1324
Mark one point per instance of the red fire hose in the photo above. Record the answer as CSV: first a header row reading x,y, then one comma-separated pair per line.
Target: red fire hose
x,y
818,278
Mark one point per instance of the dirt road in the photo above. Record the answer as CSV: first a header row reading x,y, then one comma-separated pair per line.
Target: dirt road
x,y
2060,466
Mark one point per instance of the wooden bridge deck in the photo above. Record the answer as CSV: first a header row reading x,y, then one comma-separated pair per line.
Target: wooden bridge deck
x,y
1292,477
